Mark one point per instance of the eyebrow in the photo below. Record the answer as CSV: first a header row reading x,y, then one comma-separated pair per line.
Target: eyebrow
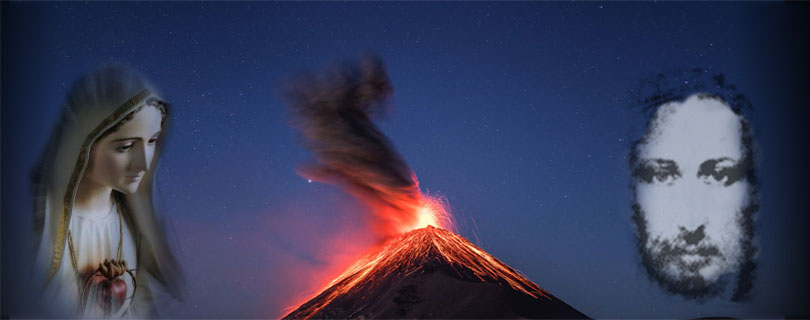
x,y
660,163
133,138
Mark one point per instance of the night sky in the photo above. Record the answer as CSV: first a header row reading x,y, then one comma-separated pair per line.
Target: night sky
x,y
520,114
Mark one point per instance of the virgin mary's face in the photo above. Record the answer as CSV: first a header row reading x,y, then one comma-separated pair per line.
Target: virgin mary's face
x,y
690,189
120,159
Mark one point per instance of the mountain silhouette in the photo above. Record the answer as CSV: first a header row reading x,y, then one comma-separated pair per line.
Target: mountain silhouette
x,y
432,273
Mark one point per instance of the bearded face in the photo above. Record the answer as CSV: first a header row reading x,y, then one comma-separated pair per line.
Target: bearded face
x,y
691,194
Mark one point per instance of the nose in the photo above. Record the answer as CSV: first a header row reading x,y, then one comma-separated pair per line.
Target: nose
x,y
138,161
694,236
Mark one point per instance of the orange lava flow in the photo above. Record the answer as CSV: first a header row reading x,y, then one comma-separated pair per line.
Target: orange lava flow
x,y
407,215
405,254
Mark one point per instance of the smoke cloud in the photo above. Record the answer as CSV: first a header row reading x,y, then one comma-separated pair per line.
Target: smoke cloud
x,y
333,111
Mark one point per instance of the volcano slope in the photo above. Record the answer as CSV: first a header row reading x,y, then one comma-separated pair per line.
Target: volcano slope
x,y
432,273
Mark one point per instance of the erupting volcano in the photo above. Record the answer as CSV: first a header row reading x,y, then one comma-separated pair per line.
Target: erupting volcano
x,y
420,269
432,273
333,112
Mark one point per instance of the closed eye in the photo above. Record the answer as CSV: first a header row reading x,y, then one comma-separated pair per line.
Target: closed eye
x,y
125,147
154,138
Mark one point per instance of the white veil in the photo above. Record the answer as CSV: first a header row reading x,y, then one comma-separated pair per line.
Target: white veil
x,y
96,103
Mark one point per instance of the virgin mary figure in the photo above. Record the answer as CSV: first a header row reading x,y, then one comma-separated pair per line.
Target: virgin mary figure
x,y
102,243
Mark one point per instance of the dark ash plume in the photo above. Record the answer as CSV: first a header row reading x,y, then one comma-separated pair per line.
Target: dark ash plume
x,y
333,112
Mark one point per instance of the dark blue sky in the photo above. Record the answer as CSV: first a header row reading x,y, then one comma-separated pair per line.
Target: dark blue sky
x,y
519,113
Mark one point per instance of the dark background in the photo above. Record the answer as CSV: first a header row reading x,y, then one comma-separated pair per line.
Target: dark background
x,y
520,114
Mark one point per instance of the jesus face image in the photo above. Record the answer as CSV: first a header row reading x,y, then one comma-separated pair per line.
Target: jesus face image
x,y
691,193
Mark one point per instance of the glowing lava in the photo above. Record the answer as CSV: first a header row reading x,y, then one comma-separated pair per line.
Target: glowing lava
x,y
433,212
426,218
416,259
333,112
